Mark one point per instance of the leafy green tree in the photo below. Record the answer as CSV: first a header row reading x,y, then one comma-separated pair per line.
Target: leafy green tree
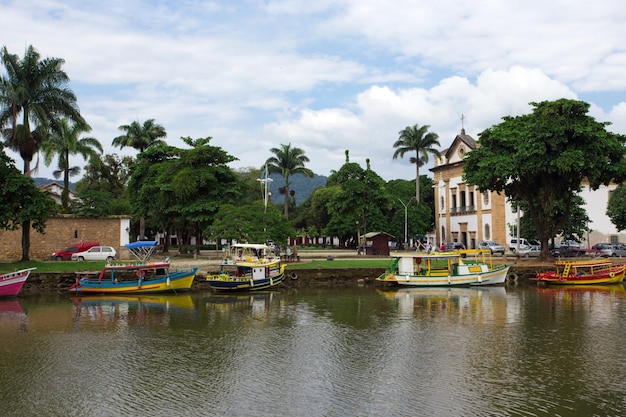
x,y
360,204
287,161
539,160
64,143
103,189
36,90
141,137
420,217
249,223
183,188
616,209
21,200
419,140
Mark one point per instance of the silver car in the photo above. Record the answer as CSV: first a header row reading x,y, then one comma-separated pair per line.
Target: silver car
x,y
494,247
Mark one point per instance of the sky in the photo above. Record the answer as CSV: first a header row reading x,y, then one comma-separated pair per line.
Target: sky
x,y
325,76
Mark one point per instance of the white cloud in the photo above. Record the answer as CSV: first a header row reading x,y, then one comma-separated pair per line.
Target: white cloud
x,y
326,76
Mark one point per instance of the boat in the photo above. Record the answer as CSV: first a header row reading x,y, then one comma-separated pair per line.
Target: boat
x,y
582,272
247,267
136,277
11,283
441,269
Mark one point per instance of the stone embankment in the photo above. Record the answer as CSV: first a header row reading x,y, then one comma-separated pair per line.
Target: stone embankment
x,y
208,263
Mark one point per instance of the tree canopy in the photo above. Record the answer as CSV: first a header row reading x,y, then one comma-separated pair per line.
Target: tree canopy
x,y
288,160
616,209
419,140
20,199
539,160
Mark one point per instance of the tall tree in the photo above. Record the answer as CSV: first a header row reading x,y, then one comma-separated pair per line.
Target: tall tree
x,y
64,143
36,90
539,161
141,137
20,199
419,140
287,161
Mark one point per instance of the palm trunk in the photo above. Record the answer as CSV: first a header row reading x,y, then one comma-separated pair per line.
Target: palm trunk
x,y
417,182
286,201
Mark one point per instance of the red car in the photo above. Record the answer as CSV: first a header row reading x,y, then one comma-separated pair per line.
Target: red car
x,y
66,254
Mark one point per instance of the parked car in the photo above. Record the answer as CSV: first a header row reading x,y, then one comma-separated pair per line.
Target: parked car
x,y
96,253
611,249
494,247
452,246
513,244
570,244
532,252
66,254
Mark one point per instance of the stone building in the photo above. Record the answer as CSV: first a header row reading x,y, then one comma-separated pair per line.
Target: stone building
x,y
465,214
64,230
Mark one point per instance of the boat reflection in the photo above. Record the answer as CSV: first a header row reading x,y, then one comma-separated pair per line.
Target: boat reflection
x,y
258,302
109,308
584,290
480,303
12,316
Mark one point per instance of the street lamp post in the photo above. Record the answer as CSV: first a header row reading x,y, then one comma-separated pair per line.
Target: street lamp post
x,y
405,223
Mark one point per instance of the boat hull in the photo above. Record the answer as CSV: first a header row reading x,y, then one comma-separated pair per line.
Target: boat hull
x,y
176,281
11,283
226,283
494,277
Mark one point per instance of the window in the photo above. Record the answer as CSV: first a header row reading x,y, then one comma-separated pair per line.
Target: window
x,y
486,197
487,232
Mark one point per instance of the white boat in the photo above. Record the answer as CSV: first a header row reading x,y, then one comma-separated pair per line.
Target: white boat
x,y
442,269
247,267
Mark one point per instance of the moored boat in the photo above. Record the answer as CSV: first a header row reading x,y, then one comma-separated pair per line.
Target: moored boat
x,y
135,278
459,268
11,283
248,267
582,272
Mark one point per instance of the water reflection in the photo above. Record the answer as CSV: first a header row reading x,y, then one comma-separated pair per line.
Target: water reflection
x,y
359,352
128,308
478,304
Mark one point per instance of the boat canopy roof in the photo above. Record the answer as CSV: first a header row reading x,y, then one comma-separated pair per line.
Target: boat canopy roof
x,y
249,246
141,244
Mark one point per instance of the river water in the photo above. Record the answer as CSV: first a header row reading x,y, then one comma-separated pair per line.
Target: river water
x,y
508,351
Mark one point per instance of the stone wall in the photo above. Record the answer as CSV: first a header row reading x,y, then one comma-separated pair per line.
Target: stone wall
x,y
61,232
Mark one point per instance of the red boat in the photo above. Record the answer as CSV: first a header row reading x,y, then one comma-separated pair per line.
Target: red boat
x,y
582,272
11,283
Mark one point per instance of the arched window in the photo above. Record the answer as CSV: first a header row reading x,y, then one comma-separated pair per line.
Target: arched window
x,y
442,208
487,232
486,197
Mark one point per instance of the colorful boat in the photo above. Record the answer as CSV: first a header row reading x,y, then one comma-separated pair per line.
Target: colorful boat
x,y
458,268
248,267
582,272
11,283
135,278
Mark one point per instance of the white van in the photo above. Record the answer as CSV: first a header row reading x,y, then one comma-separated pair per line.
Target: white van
x,y
523,244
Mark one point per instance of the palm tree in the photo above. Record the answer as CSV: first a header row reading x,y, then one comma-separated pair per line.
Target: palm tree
x,y
66,143
287,161
141,137
418,139
35,89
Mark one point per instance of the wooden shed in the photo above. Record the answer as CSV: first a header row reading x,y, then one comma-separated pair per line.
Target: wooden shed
x,y
377,243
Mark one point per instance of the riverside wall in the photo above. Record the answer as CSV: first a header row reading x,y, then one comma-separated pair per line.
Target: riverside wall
x,y
295,278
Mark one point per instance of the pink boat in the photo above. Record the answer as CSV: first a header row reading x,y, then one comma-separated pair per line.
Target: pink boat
x,y
11,283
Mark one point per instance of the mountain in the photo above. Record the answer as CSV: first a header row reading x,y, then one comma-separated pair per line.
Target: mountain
x,y
39,181
302,185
